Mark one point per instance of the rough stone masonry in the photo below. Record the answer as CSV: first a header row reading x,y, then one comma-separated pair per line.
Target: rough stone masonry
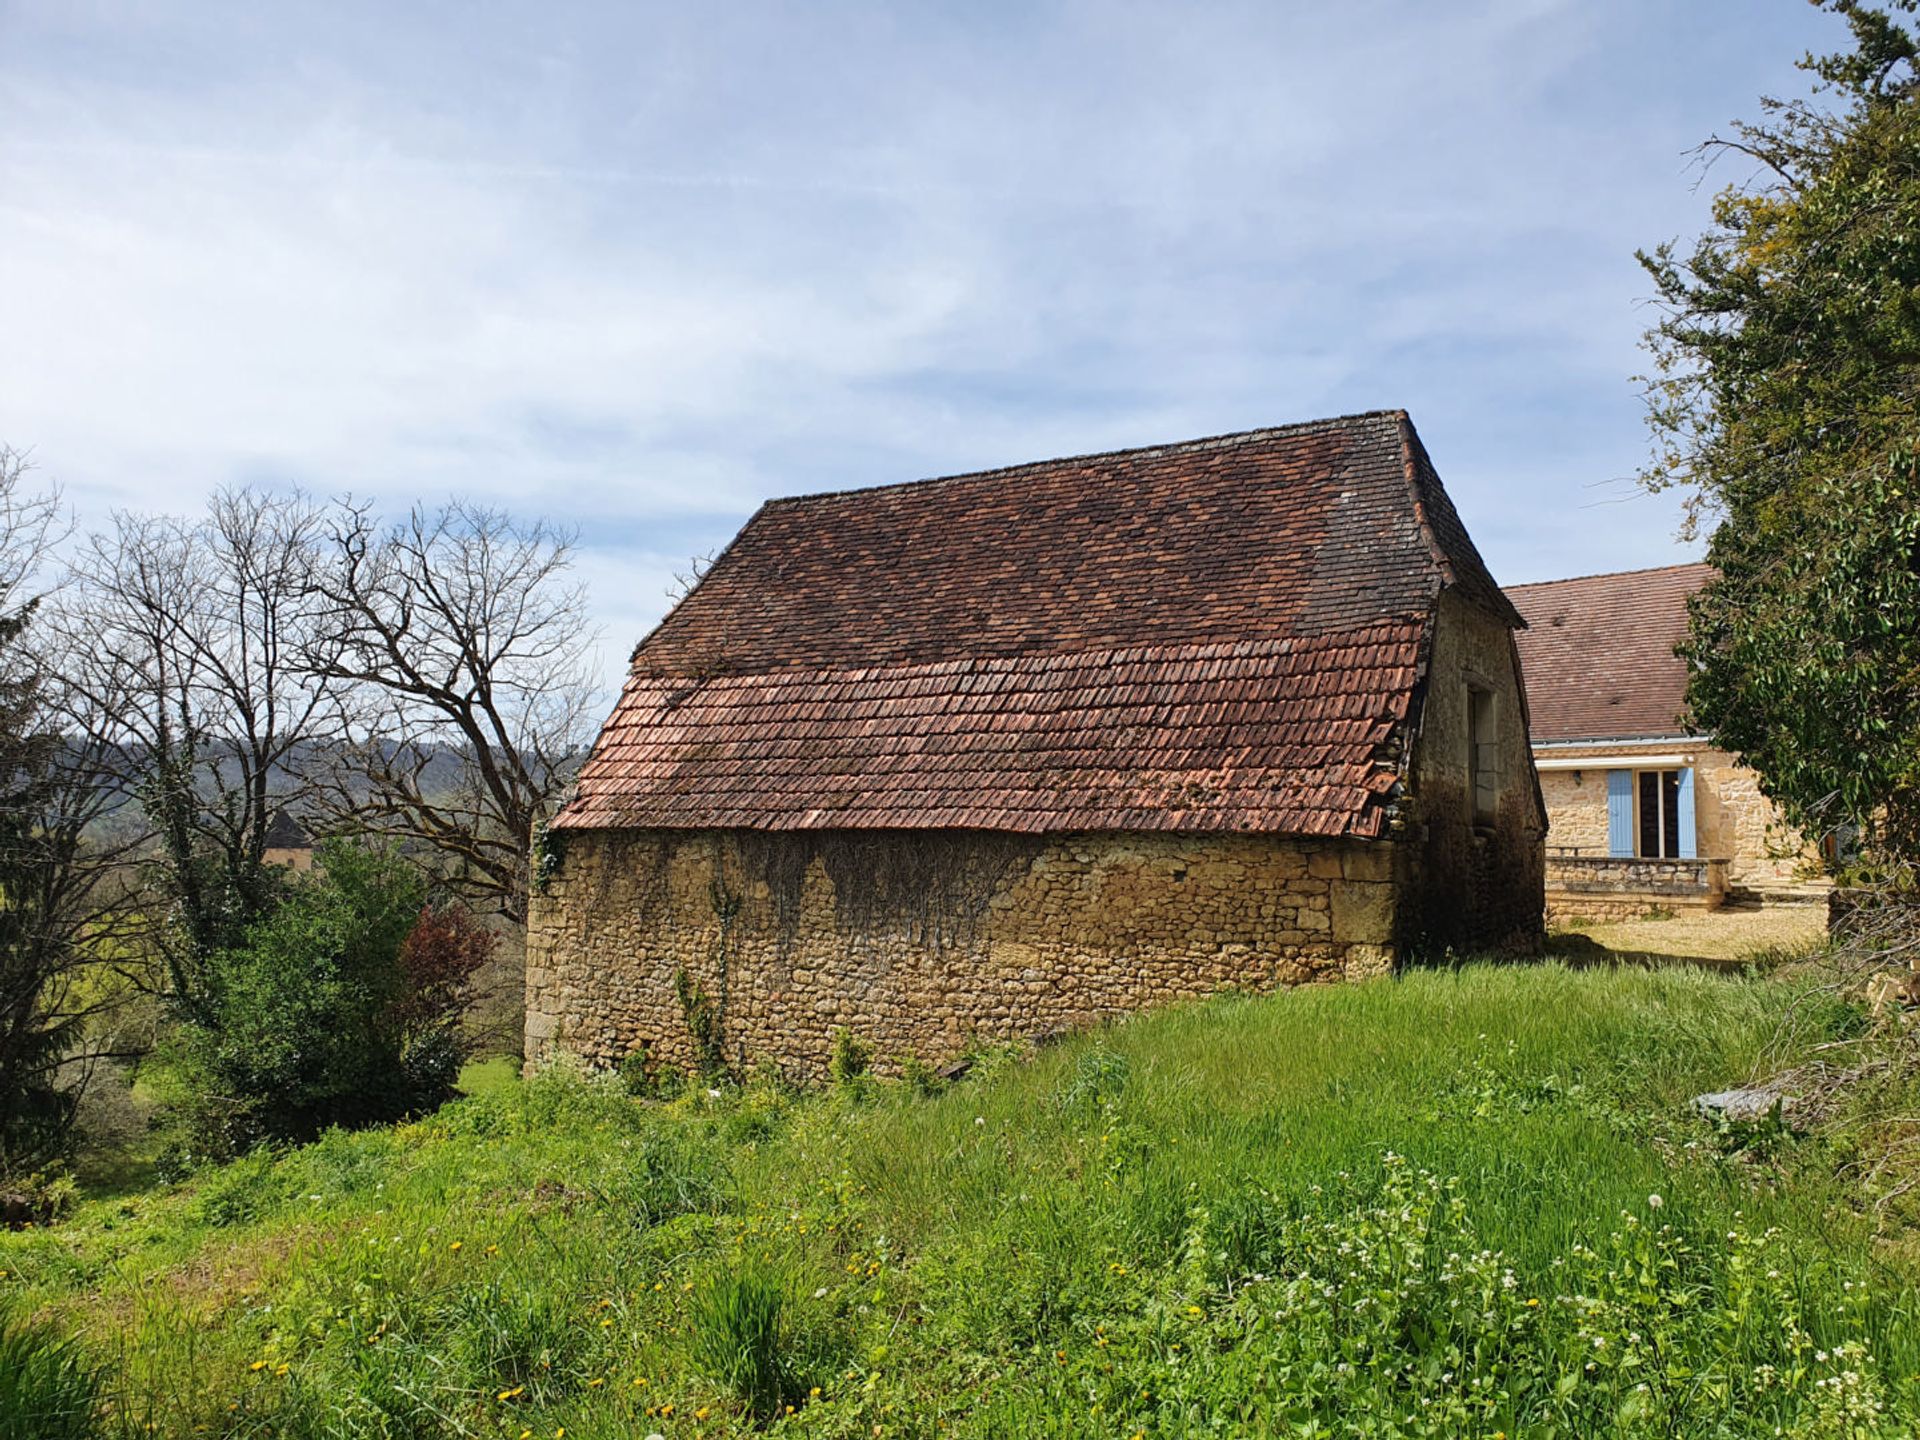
x,y
987,937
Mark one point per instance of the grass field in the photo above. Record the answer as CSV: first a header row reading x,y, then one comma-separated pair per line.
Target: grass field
x,y
1469,1203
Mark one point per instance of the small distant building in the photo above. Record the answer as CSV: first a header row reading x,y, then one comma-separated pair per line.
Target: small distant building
x,y
1000,754
288,843
1643,812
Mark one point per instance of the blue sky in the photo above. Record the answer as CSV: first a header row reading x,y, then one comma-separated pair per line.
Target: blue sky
x,y
640,266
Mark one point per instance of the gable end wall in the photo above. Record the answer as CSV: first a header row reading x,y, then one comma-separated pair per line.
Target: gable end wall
x,y
1468,885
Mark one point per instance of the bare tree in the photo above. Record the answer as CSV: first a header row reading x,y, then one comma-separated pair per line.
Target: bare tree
x,y
185,650
464,651
60,866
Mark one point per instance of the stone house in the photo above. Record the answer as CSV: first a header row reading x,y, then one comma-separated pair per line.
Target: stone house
x,y
288,843
1643,813
1000,754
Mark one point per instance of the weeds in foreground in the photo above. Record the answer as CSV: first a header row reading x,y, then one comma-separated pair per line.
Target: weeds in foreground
x,y
48,1388
1197,1222
737,1338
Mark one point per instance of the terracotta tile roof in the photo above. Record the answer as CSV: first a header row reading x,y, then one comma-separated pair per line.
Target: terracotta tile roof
x,y
1221,635
1283,735
1598,656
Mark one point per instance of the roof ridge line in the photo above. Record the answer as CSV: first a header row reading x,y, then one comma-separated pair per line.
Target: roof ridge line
x,y
1611,574
1223,441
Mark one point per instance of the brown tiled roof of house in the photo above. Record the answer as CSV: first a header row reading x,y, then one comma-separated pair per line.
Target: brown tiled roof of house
x,y
1598,656
1220,635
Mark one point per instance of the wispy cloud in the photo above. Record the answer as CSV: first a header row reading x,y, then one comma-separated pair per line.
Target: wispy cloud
x,y
643,266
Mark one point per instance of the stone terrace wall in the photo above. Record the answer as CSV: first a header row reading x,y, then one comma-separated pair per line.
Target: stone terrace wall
x,y
1601,888
919,942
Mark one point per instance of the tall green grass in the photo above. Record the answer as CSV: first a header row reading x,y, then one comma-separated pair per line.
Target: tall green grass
x,y
1459,1203
48,1388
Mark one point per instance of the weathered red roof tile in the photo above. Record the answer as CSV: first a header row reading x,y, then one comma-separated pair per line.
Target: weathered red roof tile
x,y
1220,635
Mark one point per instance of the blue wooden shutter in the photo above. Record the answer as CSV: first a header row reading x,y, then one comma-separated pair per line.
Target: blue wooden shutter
x,y
1620,812
1689,841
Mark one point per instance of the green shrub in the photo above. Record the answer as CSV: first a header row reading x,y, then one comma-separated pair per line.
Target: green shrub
x,y
703,1024
340,1008
636,1072
921,1077
241,1192
48,1390
852,1057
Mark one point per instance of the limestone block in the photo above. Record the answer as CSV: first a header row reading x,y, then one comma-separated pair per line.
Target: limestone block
x,y
1367,862
1363,912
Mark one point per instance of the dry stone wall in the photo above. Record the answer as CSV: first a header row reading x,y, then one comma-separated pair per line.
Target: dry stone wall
x,y
1592,887
919,943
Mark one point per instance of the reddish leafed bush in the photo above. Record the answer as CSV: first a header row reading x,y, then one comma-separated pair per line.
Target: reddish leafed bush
x,y
445,949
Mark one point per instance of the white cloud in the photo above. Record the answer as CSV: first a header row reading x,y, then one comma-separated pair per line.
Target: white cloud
x,y
641,266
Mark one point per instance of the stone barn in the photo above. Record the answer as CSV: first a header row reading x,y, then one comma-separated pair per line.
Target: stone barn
x,y
1002,754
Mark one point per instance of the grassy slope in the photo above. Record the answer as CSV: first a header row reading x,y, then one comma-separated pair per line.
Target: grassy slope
x,y
1191,1222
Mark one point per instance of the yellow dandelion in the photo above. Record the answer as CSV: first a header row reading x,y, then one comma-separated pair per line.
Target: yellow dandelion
x,y
639,1379
491,1250
258,1365
512,1394
281,1369
701,1413
814,1394
455,1246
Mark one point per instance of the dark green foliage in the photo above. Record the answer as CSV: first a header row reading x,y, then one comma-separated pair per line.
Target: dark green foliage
x,y
549,853
921,1077
852,1057
703,1024
319,1018
1787,403
40,1015
636,1072
48,1391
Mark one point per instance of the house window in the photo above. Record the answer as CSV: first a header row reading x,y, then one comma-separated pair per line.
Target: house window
x,y
1483,753
1657,814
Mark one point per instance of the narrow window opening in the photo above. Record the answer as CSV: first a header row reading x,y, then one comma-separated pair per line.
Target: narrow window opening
x,y
1658,821
1483,753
